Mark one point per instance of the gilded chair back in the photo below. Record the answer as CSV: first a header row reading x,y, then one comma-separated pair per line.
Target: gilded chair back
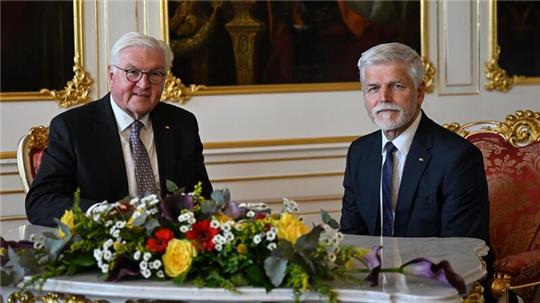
x,y
511,151
29,153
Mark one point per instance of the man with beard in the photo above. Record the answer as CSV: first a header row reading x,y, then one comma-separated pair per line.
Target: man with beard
x,y
413,178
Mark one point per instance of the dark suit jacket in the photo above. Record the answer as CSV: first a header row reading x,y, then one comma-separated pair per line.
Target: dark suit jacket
x,y
85,152
443,190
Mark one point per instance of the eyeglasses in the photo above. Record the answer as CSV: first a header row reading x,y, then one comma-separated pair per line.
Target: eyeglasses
x,y
134,75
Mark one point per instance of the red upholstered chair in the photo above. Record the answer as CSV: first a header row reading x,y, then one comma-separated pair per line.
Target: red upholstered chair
x,y
29,153
511,151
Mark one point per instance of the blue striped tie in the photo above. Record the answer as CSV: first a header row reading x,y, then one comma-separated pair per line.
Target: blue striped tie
x,y
388,167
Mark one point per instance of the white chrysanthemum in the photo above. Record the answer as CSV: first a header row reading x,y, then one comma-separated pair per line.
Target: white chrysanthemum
x,y
108,223
116,233
271,246
327,227
184,228
137,255
107,255
153,211
134,201
270,235
143,265
104,268
97,254
250,214
214,223
183,217
226,226
229,237
108,243
218,247
32,238
290,206
192,220
147,256
160,274
146,273
156,263
332,257
257,239
120,224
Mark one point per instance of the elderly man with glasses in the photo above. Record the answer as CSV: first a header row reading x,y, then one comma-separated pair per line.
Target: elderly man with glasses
x,y
126,144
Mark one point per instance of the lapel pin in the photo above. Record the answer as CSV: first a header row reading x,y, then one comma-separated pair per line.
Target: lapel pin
x,y
421,159
167,127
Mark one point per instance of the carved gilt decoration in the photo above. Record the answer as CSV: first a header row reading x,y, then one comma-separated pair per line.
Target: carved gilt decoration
x,y
519,129
51,297
76,91
175,91
38,137
429,74
476,295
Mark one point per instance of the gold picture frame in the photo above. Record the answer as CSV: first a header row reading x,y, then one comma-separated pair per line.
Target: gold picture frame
x,y
496,77
176,91
77,90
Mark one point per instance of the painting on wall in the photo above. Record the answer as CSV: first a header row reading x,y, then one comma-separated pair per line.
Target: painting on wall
x,y
37,45
268,43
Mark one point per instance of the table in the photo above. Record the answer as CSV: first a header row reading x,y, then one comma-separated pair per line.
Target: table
x,y
462,253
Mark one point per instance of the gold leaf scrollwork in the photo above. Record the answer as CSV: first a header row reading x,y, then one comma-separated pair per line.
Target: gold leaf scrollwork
x,y
175,91
77,91
38,138
51,297
497,78
523,128
429,74
476,295
500,284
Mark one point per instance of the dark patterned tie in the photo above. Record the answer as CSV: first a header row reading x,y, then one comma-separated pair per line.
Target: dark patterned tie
x,y
144,177
388,167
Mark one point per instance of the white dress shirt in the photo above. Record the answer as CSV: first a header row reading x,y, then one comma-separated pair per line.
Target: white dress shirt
x,y
123,121
403,144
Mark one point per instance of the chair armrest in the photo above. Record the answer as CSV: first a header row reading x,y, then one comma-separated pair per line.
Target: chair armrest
x,y
523,268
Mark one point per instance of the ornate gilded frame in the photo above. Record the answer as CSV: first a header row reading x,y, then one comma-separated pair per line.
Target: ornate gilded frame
x,y
176,91
77,90
496,77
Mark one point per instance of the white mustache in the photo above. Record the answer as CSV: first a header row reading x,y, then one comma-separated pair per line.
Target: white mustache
x,y
386,106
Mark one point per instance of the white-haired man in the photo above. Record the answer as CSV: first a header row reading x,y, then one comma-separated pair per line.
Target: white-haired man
x,y
127,143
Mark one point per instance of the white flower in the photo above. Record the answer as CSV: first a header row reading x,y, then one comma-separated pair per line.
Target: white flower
x,y
96,208
143,265
218,247
97,254
250,214
257,239
270,235
108,223
183,217
137,255
147,256
120,224
160,274
184,228
332,257
226,226
290,206
107,255
38,245
157,264
229,237
105,268
214,223
271,246
134,201
116,233
192,220
146,273
108,243
32,238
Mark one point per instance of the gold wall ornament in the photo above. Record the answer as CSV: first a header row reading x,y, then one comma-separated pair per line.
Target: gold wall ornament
x,y
243,29
519,129
429,74
51,297
175,91
497,78
77,91
476,295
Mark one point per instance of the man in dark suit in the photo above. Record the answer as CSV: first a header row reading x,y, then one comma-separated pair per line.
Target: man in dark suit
x,y
98,149
436,184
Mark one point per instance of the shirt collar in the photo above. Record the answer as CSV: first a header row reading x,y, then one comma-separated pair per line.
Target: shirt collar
x,y
404,140
123,120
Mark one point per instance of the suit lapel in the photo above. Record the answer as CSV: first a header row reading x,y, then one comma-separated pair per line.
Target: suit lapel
x,y
164,140
109,147
370,185
415,164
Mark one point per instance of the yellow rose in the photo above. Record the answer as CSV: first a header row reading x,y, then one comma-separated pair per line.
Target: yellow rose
x,y
242,248
178,257
290,228
67,219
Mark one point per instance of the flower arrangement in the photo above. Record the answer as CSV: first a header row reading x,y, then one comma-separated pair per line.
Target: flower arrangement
x,y
213,243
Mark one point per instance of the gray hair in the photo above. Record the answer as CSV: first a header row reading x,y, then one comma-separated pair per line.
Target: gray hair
x,y
393,53
134,39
